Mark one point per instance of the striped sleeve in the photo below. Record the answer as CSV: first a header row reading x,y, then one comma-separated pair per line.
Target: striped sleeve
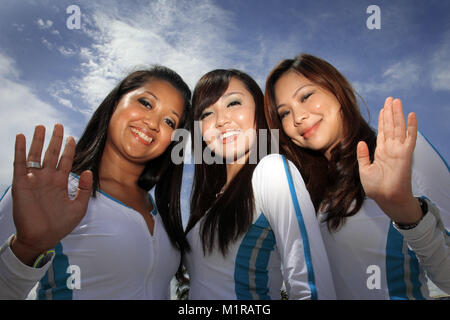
x,y
430,240
16,278
285,202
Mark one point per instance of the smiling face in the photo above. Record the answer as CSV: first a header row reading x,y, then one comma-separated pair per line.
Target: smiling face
x,y
310,115
142,124
228,125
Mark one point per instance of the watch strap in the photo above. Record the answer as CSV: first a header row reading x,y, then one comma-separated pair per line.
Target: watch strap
x,y
423,206
44,258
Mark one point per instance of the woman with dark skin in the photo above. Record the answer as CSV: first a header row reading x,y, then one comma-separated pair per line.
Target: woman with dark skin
x,y
110,240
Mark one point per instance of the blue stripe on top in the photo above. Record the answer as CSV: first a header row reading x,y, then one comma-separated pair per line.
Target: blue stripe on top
x,y
303,232
414,276
432,146
395,268
395,273
251,273
4,193
153,212
54,285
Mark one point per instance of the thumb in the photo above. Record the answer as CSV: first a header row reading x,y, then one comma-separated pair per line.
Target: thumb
x,y
362,154
84,188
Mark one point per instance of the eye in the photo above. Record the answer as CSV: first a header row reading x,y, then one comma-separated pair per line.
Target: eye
x,y
283,114
170,122
145,103
234,103
306,96
204,115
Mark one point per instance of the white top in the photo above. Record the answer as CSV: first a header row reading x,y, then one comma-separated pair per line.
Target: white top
x,y
370,258
283,243
109,255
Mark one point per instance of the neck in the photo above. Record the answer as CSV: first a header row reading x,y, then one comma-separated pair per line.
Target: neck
x,y
115,168
233,168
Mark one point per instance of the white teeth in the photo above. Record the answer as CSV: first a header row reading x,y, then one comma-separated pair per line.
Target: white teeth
x,y
142,135
229,134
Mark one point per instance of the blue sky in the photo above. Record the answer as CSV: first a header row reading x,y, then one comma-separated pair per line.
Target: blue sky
x,y
50,73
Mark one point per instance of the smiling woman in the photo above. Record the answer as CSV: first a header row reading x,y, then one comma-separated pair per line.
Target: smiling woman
x,y
251,225
93,209
381,198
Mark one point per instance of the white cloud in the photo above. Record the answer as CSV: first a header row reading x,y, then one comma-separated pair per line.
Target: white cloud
x,y
440,66
44,24
65,51
19,27
398,76
190,37
47,43
21,110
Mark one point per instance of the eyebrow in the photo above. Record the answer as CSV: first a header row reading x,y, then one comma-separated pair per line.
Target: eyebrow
x,y
295,93
175,113
152,94
231,93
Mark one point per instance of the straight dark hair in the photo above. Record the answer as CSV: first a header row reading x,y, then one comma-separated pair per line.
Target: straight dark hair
x,y
230,215
160,172
335,183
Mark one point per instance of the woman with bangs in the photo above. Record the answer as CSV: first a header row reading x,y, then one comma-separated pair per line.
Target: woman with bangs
x,y
382,198
252,223
86,226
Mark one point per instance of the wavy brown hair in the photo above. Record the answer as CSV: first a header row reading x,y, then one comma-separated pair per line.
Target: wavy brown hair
x,y
335,183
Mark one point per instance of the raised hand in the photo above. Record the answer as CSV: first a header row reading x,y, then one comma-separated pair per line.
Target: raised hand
x,y
42,210
387,180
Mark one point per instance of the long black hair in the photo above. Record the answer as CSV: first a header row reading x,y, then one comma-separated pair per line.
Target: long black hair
x,y
160,172
230,215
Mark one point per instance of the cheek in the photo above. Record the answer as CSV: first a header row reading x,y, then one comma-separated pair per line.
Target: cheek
x,y
209,132
245,117
288,128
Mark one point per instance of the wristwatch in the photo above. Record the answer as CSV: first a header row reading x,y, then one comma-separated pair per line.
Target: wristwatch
x,y
424,207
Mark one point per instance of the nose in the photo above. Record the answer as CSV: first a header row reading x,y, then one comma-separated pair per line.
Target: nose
x,y
221,119
152,121
300,115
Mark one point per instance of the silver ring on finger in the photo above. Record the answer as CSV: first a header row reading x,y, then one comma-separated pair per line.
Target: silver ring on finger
x,y
33,164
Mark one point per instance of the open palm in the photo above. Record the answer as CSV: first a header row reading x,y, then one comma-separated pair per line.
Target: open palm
x,y
42,210
387,179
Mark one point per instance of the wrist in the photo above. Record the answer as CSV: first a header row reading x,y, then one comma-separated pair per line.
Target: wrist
x,y
410,225
25,253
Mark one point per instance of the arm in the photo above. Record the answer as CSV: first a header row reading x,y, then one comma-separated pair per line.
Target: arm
x,y
430,239
390,179
16,278
38,209
291,215
431,243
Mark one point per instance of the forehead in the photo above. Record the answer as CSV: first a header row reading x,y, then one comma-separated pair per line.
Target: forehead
x,y
164,92
236,85
291,80
235,88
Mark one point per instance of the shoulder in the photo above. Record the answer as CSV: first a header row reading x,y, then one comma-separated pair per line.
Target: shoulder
x,y
5,194
426,155
276,166
270,167
274,174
